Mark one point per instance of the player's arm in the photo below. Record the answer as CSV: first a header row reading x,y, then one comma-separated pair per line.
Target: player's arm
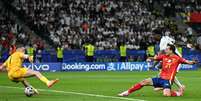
x,y
191,62
156,58
149,59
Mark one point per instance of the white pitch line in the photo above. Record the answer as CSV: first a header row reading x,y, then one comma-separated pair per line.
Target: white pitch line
x,y
76,93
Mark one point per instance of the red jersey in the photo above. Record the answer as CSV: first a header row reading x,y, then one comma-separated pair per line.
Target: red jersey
x,y
169,65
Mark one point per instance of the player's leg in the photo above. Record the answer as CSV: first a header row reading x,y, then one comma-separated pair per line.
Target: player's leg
x,y
167,89
27,84
159,66
178,83
30,73
146,82
158,89
138,86
180,92
22,80
167,92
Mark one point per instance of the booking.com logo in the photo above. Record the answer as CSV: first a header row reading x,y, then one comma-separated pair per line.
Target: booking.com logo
x,y
81,66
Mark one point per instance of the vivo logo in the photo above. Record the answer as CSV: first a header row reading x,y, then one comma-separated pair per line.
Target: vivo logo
x,y
42,67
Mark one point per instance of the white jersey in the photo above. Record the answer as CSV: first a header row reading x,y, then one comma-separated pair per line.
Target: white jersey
x,y
165,40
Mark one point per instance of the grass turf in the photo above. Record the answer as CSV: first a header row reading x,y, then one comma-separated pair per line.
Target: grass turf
x,y
101,83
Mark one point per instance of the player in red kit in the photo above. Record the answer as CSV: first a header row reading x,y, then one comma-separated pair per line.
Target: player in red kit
x,y
170,62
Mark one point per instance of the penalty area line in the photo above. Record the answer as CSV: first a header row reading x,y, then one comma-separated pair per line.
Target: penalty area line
x,y
77,93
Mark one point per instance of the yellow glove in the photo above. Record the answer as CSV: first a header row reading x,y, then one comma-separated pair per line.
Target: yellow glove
x,y
31,59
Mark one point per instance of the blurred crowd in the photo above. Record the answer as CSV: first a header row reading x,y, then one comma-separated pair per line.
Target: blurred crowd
x,y
184,7
182,10
70,22
12,32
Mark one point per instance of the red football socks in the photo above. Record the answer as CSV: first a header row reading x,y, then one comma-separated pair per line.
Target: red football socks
x,y
135,87
139,86
175,93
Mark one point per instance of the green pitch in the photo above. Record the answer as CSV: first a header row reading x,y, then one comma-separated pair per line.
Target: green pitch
x,y
98,86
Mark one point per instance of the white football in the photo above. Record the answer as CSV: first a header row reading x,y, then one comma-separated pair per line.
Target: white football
x,y
29,91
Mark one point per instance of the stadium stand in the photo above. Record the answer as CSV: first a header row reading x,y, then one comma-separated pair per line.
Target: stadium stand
x,y
104,22
68,23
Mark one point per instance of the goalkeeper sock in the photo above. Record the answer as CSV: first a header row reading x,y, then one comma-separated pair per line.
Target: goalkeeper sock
x,y
44,79
135,87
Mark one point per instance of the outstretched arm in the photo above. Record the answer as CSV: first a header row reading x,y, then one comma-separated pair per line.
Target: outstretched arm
x,y
190,62
156,58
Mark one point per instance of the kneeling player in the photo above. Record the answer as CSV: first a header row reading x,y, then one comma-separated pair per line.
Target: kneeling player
x,y
170,62
165,40
17,73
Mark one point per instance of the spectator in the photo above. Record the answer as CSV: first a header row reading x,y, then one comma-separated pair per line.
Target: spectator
x,y
60,54
38,58
89,52
123,52
69,22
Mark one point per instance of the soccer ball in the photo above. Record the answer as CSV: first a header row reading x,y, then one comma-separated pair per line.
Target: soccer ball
x,y
29,91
